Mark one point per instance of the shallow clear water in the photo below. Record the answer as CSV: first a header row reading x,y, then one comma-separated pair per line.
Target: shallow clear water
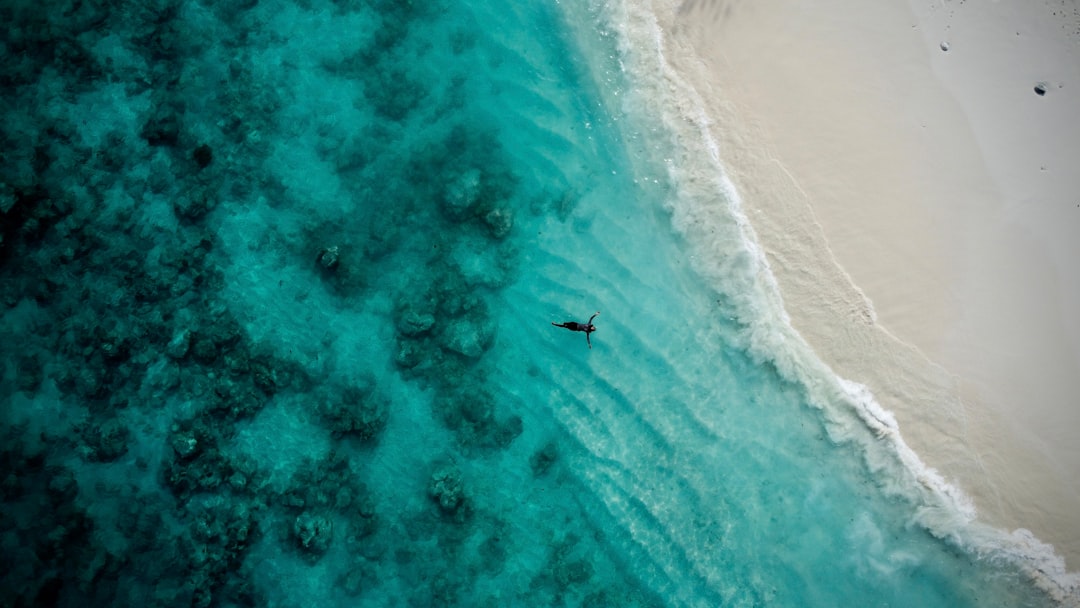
x,y
279,281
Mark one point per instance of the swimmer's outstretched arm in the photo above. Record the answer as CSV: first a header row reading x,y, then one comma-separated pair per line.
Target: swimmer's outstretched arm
x,y
593,317
588,340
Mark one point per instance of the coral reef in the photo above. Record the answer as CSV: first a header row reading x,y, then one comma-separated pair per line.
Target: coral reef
x,y
228,313
357,411
313,532
447,490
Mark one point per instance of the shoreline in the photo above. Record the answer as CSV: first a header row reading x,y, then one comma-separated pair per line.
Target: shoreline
x,y
918,251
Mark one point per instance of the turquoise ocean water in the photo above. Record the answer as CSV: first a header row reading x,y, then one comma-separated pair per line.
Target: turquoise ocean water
x,y
278,285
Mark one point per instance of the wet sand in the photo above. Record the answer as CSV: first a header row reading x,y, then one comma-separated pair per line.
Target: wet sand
x,y
920,208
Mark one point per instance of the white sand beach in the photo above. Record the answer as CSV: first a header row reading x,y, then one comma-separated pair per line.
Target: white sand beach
x,y
919,202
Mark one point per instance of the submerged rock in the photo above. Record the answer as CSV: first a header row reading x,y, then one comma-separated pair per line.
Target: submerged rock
x,y
409,354
469,336
313,533
363,522
105,441
499,221
264,374
476,408
541,460
461,195
447,489
473,415
193,206
358,412
185,444
329,258
162,128
205,350
414,323
506,431
178,346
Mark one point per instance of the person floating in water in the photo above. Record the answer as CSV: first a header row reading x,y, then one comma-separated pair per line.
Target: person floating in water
x,y
586,327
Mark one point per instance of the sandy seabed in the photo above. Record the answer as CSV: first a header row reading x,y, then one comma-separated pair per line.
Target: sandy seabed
x,y
910,172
